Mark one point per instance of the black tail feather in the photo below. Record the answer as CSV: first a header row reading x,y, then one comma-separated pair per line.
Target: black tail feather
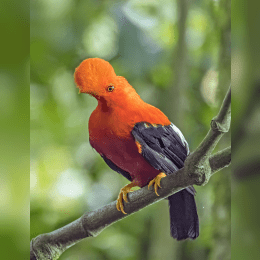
x,y
183,215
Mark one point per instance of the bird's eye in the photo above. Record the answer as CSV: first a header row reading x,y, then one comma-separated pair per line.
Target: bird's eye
x,y
110,88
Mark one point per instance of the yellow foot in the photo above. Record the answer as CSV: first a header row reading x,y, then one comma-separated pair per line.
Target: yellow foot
x,y
123,196
156,181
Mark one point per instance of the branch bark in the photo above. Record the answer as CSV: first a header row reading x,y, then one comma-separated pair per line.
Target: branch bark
x,y
220,160
198,168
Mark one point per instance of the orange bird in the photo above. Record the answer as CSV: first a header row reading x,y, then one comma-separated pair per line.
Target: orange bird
x,y
136,140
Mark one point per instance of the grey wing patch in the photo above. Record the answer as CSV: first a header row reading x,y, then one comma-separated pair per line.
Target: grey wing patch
x,y
183,140
164,147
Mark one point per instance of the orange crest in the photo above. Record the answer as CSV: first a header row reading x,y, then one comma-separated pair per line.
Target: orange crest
x,y
92,74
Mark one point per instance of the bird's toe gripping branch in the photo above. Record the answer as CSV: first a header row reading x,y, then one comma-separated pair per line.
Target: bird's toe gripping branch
x,y
156,181
123,196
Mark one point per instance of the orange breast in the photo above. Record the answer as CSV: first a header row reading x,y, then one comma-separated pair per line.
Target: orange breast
x,y
110,135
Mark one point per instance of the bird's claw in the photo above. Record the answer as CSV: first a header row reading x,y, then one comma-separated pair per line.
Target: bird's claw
x,y
123,196
156,181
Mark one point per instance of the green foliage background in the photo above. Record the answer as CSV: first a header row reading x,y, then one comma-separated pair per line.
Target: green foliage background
x,y
14,130
246,130
176,54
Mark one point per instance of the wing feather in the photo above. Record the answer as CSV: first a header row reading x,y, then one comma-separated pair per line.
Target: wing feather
x,y
164,147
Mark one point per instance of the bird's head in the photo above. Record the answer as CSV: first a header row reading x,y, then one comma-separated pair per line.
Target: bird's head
x,y
97,77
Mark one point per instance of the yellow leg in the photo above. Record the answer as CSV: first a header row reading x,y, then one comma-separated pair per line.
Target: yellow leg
x,y
123,196
156,181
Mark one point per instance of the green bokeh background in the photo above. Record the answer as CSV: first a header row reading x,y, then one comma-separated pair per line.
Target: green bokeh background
x,y
14,130
176,54
145,43
246,130
150,55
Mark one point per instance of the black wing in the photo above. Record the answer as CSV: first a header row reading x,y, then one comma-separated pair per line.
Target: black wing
x,y
116,168
164,147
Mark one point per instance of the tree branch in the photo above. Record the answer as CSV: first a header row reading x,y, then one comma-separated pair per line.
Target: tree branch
x,y
220,160
198,168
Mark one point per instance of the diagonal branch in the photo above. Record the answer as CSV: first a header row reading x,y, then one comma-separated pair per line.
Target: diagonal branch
x,y
219,126
198,168
220,160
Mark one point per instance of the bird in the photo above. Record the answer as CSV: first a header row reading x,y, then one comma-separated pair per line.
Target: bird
x,y
136,140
